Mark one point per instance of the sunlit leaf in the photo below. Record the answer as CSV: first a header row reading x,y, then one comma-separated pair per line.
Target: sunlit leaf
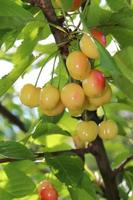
x,y
46,128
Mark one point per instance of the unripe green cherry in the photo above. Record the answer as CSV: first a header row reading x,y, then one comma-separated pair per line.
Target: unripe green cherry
x,y
30,95
87,131
78,65
88,47
108,130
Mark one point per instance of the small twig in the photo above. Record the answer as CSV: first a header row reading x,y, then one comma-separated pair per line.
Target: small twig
x,y
5,160
120,168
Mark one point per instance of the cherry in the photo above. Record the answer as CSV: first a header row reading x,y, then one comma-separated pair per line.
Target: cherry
x,y
88,47
78,65
103,99
29,95
87,131
55,111
76,112
98,35
74,6
108,129
94,84
90,107
47,191
49,97
72,96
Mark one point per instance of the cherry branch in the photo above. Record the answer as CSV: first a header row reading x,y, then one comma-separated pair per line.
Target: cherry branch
x,y
12,118
120,168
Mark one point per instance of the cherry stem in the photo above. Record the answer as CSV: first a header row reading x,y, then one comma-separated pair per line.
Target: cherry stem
x,y
45,62
52,75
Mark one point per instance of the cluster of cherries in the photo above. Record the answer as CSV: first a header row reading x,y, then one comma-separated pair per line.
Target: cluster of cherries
x,y
87,131
92,92
89,95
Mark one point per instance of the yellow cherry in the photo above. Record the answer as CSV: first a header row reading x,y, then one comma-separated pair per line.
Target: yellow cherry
x,y
78,65
87,131
108,130
72,96
105,98
49,97
88,46
94,84
30,95
55,111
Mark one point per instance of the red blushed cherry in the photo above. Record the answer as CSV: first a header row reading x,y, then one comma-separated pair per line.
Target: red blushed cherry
x,y
94,84
76,4
98,35
47,191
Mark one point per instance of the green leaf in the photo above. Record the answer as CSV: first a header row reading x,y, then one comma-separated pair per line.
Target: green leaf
x,y
19,184
108,63
66,5
124,60
68,123
123,18
87,185
123,35
117,5
78,193
44,128
114,111
8,38
21,59
13,15
123,193
94,15
4,195
47,49
128,174
67,168
15,150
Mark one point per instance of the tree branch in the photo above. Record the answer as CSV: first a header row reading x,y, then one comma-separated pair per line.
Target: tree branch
x,y
60,36
111,191
120,168
12,118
